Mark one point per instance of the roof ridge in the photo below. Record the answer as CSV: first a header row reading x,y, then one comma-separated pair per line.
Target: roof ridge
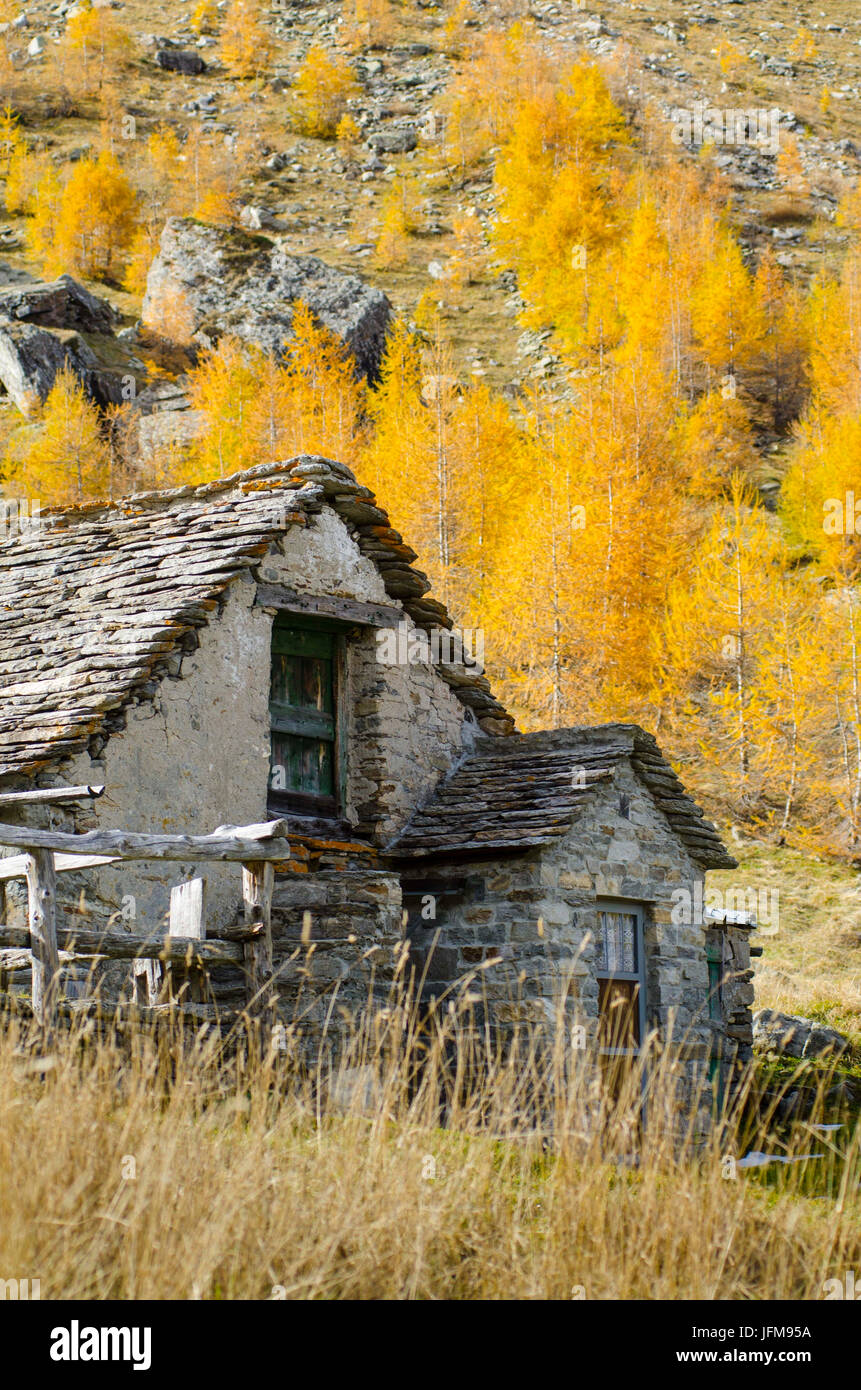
x,y
275,469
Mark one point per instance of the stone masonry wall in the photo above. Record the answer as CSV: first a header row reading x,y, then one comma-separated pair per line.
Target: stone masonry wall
x,y
538,913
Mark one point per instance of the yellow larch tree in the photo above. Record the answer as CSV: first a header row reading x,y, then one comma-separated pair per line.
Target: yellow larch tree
x,y
394,462
840,665
12,145
790,168
314,401
716,440
637,277
323,85
555,215
95,223
727,322
223,388
94,50
541,662
60,455
410,460
834,366
25,170
717,618
486,443
44,204
784,342
165,193
400,218
204,17
793,716
819,491
246,44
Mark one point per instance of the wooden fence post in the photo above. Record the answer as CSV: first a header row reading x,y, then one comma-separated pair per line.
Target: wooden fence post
x,y
258,881
187,920
42,904
147,982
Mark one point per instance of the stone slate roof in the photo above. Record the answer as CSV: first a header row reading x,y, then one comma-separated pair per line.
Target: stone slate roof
x,y
521,793
96,603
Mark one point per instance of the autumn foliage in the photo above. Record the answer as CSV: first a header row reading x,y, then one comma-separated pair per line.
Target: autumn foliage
x,y
61,455
256,408
86,226
608,528
245,46
321,90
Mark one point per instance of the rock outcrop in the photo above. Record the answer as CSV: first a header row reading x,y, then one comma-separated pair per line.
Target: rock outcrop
x,y
793,1036
218,281
47,327
61,303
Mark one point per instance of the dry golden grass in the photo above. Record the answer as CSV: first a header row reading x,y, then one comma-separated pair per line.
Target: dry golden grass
x,y
254,1180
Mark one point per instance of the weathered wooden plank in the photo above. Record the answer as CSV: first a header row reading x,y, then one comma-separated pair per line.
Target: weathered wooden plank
x,y
147,981
16,865
347,610
16,960
186,909
187,922
228,842
42,914
245,932
50,794
120,946
122,1016
258,881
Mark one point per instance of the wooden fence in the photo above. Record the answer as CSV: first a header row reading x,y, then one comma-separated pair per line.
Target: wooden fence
x,y
185,952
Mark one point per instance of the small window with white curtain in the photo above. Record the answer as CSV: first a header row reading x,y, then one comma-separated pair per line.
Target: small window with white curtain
x,y
621,978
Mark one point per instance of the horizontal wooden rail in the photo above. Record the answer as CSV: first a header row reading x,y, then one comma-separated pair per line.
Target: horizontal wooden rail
x,y
15,866
183,949
49,795
118,946
130,1015
236,843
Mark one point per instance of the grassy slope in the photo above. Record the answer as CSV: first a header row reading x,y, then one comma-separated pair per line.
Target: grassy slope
x,y
334,218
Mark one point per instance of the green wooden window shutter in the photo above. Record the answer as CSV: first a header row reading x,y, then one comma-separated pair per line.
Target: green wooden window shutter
x,y
715,965
302,711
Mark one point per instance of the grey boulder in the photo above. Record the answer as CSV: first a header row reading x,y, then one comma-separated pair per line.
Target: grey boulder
x,y
31,358
180,60
61,303
394,141
795,1036
46,327
229,281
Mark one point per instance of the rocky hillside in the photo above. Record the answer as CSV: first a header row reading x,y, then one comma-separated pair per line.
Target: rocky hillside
x,y
325,201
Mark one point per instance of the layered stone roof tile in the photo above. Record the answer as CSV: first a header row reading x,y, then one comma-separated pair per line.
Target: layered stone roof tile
x,y
527,791
96,600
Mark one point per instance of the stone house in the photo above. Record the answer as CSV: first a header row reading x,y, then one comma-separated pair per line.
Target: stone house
x,y
263,646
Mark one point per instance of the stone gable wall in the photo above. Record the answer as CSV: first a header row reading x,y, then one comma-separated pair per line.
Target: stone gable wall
x,y
537,913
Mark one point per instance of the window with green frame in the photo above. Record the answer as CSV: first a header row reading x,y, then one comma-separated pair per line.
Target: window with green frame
x,y
306,761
